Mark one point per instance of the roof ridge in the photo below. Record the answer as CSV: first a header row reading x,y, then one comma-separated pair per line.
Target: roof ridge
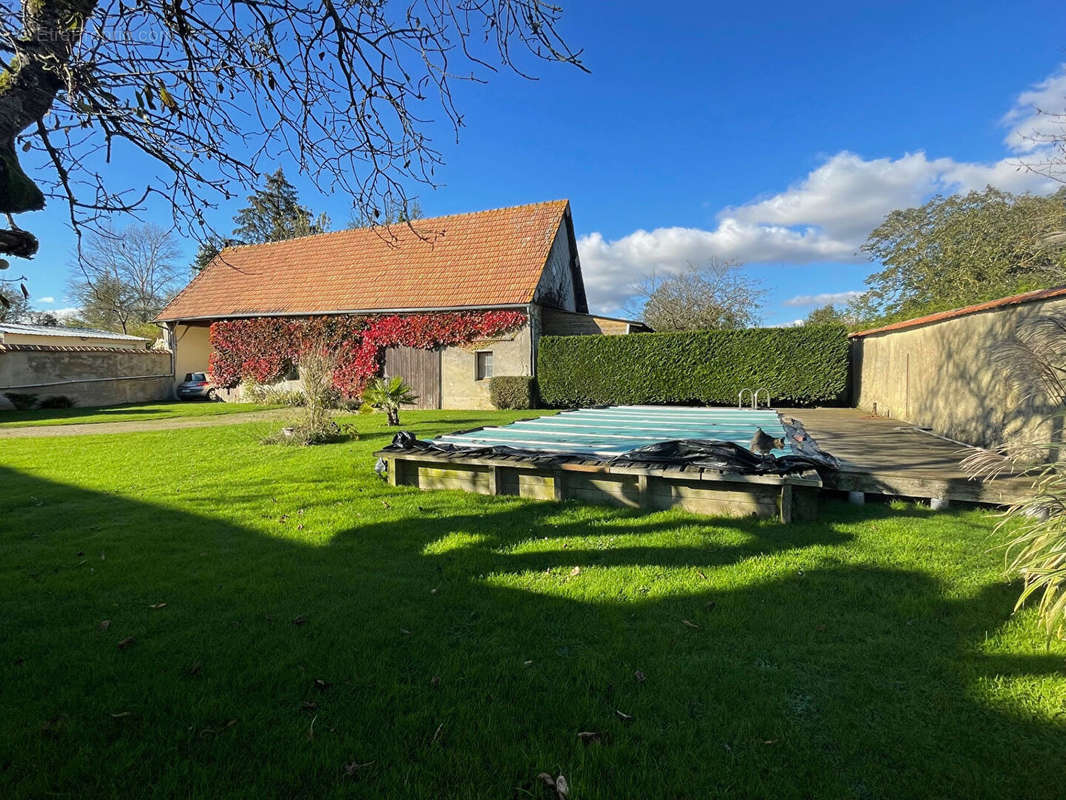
x,y
386,226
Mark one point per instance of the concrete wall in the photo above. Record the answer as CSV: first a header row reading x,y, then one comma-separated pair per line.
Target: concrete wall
x,y
192,348
943,375
73,341
511,355
88,377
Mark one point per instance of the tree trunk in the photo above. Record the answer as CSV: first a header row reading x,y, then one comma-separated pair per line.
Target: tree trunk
x,y
28,87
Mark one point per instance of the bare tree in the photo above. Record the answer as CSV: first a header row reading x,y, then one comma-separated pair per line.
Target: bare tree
x,y
128,276
14,299
215,91
716,295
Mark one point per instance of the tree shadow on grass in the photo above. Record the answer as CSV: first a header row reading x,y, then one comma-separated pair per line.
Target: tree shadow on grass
x,y
442,655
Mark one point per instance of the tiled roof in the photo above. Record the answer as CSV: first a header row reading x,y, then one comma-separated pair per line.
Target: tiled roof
x,y
62,330
73,348
1013,300
484,259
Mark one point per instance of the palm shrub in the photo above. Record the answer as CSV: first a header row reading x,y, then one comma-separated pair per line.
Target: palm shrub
x,y
1034,361
388,394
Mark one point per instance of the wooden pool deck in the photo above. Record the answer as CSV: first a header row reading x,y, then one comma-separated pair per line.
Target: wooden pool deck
x,y
887,457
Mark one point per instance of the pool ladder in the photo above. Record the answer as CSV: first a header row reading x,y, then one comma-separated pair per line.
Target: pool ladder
x,y
754,398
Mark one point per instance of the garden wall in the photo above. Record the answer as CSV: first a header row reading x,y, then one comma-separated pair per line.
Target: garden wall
x,y
797,366
90,376
942,374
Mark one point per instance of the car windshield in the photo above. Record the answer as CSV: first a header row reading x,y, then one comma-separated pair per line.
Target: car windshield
x,y
191,377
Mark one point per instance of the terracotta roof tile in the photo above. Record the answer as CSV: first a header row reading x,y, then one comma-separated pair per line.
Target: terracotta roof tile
x,y
488,258
940,316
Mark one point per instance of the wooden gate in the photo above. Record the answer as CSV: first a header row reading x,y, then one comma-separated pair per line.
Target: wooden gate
x,y
420,368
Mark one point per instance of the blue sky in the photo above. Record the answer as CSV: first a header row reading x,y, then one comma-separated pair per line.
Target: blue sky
x,y
774,134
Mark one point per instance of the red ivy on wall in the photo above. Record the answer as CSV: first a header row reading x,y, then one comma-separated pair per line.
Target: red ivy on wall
x,y
266,348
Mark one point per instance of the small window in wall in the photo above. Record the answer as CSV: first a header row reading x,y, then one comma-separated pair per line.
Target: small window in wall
x,y
483,365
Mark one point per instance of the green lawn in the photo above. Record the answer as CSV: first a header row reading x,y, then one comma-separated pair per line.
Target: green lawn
x,y
280,623
133,412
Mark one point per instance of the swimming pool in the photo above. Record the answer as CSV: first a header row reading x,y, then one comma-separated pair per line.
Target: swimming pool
x,y
614,430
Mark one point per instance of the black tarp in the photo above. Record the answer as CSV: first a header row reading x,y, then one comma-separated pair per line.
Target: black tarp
x,y
705,453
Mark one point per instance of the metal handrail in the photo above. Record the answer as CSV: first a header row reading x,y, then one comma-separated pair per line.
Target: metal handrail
x,y
740,397
755,399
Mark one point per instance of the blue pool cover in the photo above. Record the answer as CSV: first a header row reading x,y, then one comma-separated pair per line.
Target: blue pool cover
x,y
609,432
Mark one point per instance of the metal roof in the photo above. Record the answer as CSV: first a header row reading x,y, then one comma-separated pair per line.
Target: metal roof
x,y
60,330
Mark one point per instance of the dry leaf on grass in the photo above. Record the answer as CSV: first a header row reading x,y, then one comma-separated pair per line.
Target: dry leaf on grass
x,y
158,605
623,716
575,571
322,685
105,624
300,620
352,767
690,624
126,642
587,737
640,676
558,785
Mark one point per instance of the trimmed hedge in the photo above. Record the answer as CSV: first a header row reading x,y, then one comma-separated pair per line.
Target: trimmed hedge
x,y
513,391
801,366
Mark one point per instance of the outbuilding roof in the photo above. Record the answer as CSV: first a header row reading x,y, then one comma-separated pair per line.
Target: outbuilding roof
x,y
480,260
62,330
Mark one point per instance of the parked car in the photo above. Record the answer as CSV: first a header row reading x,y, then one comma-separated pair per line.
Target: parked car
x,y
196,386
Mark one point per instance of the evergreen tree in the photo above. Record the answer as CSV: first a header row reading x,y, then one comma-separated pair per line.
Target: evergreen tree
x,y
274,214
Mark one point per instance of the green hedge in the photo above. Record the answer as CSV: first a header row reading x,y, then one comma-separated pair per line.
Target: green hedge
x,y
513,391
802,366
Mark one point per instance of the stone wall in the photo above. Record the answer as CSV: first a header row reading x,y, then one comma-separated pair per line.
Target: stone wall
x,y
554,322
556,287
88,376
511,355
943,375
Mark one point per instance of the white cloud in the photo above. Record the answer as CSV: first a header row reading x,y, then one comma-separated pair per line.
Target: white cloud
x,y
48,300
825,216
1037,113
824,299
66,313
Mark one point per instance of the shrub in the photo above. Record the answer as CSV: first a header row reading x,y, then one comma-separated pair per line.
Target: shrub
x,y
802,365
304,435
273,396
513,391
56,401
21,402
388,395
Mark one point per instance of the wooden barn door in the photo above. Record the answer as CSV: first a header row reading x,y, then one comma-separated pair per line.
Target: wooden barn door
x,y
420,368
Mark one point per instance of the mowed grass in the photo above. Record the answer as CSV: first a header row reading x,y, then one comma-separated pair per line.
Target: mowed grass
x,y
281,623
132,412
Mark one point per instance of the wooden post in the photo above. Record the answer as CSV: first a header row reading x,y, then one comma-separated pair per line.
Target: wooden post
x,y
394,469
643,496
786,503
557,485
494,480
